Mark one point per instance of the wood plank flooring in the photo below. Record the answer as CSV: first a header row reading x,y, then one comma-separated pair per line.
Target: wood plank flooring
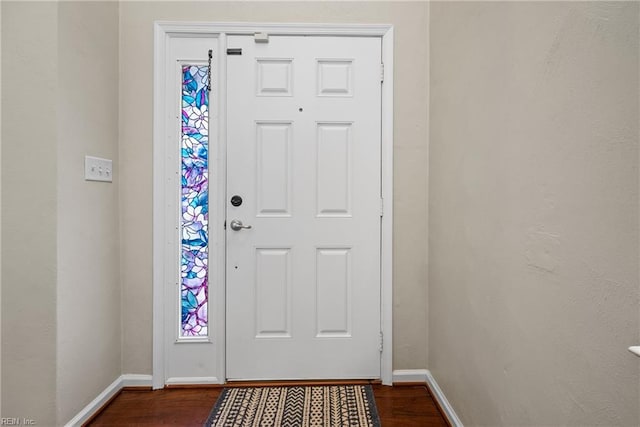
x,y
397,406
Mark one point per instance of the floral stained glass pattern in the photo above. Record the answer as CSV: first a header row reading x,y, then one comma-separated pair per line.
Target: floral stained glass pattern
x,y
195,202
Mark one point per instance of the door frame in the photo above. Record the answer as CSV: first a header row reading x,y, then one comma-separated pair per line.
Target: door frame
x,y
166,246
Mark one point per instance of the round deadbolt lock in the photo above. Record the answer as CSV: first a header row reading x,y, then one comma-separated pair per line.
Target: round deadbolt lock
x,y
236,200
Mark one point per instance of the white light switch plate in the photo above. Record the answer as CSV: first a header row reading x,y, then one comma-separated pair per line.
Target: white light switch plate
x,y
97,169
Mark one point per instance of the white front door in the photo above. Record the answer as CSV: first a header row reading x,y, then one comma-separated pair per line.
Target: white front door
x,y
304,157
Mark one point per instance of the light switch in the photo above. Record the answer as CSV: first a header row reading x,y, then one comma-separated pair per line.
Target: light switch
x,y
97,169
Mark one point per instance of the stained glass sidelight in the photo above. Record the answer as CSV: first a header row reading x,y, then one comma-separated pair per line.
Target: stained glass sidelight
x,y
195,202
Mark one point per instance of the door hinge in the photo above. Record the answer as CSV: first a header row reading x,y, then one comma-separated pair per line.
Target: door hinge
x,y
225,224
380,345
382,72
381,207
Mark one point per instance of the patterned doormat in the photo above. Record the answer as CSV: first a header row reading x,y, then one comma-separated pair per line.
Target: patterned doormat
x,y
299,406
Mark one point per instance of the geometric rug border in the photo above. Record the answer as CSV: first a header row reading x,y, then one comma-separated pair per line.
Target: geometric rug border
x,y
214,411
372,404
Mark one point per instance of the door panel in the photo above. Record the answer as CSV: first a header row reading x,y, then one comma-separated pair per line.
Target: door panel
x,y
273,151
303,152
334,170
273,293
333,292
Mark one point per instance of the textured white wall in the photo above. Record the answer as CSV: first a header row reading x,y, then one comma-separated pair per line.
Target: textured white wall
x,y
88,287
29,123
410,150
533,279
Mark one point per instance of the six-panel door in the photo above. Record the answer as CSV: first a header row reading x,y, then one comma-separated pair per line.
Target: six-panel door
x,y
303,153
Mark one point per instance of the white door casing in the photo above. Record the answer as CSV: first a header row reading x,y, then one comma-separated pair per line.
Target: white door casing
x,y
204,362
303,152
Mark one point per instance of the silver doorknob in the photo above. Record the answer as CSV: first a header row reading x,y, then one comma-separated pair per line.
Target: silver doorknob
x,y
238,225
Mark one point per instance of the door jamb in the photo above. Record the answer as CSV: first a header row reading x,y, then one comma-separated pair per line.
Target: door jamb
x,y
163,31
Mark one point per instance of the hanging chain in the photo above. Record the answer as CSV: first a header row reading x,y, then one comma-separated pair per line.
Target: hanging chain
x,y
209,71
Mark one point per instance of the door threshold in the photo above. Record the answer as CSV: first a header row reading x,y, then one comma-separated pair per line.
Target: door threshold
x,y
293,383
275,383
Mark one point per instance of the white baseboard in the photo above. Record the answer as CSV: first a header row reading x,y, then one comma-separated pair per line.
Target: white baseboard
x,y
424,376
410,376
136,380
192,380
446,407
127,380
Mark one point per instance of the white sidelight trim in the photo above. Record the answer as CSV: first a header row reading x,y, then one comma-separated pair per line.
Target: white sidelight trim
x,y
446,407
127,380
410,376
166,246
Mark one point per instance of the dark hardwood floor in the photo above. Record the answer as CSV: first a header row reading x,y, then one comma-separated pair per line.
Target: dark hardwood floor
x,y
397,406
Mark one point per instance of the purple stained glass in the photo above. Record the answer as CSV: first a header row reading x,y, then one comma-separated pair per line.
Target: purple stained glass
x,y
195,202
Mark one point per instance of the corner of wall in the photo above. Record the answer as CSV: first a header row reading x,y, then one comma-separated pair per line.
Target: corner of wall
x,y
120,220
427,19
0,210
